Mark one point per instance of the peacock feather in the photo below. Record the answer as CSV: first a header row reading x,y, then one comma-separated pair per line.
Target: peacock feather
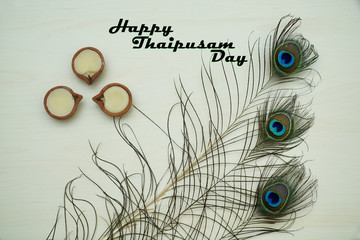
x,y
236,170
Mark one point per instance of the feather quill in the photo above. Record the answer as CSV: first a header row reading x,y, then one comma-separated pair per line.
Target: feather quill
x,y
234,175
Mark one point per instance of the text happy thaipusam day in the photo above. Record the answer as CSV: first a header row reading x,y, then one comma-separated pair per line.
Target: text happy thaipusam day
x,y
144,40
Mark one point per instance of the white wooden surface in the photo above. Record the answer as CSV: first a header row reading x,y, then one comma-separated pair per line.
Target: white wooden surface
x,y
38,154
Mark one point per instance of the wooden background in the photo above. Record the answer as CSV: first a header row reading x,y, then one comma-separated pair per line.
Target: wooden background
x,y
39,155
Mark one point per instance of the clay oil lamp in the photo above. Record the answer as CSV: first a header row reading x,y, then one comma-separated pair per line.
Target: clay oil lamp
x,y
114,99
61,102
88,63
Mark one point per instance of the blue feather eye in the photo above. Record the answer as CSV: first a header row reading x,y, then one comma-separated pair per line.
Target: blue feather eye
x,y
274,197
288,58
285,59
279,126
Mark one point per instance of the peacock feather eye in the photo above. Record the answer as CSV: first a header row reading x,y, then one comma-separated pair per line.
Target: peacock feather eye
x,y
288,58
279,125
274,197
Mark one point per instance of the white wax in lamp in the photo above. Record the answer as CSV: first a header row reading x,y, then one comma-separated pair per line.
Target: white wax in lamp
x,y
60,102
116,99
87,62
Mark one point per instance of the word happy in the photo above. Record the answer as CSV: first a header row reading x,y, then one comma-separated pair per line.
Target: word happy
x,y
144,40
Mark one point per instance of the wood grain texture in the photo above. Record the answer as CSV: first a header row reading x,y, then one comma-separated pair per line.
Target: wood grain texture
x,y
38,154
